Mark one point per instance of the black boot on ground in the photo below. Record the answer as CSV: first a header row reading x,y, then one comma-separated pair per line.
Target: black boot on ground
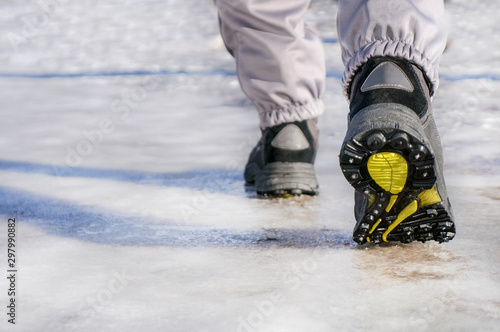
x,y
392,156
282,163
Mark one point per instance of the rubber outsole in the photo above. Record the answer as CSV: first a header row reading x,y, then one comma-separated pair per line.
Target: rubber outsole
x,y
282,179
396,169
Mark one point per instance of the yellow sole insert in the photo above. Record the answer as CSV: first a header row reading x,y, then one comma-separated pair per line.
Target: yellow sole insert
x,y
375,226
392,200
405,213
389,170
387,208
429,197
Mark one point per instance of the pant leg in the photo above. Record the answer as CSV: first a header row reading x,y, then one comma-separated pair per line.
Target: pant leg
x,y
280,61
411,29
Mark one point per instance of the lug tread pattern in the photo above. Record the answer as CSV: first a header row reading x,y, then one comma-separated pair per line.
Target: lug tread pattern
x,y
431,222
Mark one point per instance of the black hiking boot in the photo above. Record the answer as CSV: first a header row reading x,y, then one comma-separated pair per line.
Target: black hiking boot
x,y
392,156
282,162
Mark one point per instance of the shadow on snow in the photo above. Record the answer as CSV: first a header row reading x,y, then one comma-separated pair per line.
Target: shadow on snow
x,y
86,223
212,180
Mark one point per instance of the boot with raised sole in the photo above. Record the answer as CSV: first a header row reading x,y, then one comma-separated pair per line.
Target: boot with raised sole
x,y
282,163
392,156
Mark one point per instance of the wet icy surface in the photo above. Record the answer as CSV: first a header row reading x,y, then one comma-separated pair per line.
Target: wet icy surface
x,y
149,226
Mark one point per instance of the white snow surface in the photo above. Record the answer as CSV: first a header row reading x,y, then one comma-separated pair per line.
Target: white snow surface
x,y
123,137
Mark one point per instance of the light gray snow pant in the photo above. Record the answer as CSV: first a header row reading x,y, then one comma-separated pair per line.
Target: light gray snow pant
x,y
280,61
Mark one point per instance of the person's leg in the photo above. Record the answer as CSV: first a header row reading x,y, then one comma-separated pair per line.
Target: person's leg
x,y
414,30
280,67
280,61
392,154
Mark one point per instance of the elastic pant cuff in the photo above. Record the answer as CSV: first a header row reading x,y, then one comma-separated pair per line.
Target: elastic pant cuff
x,y
389,48
291,114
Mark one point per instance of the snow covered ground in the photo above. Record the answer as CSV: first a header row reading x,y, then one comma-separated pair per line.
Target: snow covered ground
x,y
123,136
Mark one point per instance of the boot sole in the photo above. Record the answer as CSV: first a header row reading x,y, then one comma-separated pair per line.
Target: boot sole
x,y
286,178
387,156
